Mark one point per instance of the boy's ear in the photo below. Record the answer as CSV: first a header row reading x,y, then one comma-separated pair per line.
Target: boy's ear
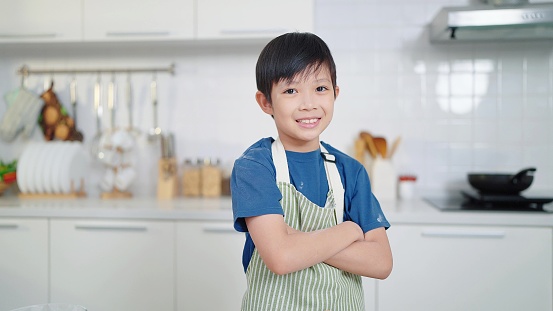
x,y
263,103
336,91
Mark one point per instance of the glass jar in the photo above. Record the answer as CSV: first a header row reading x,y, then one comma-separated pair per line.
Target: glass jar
x,y
211,178
191,178
406,186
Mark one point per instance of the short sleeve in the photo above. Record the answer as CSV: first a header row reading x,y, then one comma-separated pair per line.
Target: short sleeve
x,y
253,188
363,208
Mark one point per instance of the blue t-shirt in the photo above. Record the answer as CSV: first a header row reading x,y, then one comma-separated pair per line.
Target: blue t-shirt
x,y
254,190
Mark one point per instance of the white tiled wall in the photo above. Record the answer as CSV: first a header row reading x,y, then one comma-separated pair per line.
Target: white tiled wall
x,y
458,108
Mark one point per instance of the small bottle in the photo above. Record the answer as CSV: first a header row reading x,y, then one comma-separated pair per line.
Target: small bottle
x,y
406,186
190,178
211,178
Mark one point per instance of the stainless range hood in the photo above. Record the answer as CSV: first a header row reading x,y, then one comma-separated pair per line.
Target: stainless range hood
x,y
493,22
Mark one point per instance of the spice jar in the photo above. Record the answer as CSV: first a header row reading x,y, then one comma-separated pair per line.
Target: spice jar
x,y
191,178
406,186
211,178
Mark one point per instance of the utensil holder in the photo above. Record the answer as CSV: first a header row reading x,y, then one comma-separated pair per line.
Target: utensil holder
x,y
383,179
167,178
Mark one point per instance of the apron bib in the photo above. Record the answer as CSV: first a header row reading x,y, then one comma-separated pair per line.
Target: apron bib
x,y
317,288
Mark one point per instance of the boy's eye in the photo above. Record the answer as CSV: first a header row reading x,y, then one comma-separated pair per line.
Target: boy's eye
x,y
289,91
321,88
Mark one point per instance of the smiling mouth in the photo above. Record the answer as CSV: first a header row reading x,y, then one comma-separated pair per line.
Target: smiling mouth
x,y
308,121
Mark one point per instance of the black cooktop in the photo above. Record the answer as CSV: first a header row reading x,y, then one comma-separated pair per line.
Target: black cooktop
x,y
476,201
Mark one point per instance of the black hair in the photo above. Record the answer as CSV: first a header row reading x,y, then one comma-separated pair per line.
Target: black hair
x,y
289,54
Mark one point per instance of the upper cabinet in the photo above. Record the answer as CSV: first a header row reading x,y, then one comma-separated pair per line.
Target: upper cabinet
x,y
220,19
108,20
150,20
40,21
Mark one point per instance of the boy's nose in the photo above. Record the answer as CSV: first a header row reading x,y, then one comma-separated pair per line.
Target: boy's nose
x,y
308,102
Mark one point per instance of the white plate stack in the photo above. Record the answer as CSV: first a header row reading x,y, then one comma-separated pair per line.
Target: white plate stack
x,y
57,167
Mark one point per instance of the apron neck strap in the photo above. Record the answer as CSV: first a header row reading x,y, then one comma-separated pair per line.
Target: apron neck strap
x,y
280,161
332,175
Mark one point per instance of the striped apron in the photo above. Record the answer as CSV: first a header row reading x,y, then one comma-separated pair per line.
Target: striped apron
x,y
320,287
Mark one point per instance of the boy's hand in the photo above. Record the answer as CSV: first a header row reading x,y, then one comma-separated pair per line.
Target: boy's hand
x,y
371,257
285,250
350,225
355,228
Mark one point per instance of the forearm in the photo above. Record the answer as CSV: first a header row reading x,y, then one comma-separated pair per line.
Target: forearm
x,y
305,249
366,258
286,250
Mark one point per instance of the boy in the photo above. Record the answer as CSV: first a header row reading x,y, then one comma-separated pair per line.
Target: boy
x,y
312,224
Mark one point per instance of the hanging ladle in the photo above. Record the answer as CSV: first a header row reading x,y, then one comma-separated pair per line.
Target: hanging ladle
x,y
130,124
95,144
155,131
77,135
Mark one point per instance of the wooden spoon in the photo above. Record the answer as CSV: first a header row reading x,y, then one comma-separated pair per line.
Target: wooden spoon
x,y
381,146
369,143
394,147
359,150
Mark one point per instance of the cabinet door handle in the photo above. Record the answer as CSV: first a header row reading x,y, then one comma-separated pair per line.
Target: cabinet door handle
x,y
137,33
252,31
444,233
9,226
219,228
27,35
111,227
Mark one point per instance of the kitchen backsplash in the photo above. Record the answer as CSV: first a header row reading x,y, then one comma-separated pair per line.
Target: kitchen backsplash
x,y
458,107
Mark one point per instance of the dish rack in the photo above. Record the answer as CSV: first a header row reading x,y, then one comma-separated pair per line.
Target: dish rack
x,y
55,169
74,193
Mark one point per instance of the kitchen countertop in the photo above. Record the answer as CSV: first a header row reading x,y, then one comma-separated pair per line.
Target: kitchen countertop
x,y
414,211
134,208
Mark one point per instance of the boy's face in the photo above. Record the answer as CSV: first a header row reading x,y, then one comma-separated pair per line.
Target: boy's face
x,y
302,109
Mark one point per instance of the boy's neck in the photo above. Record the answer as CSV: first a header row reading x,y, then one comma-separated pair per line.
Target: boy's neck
x,y
301,146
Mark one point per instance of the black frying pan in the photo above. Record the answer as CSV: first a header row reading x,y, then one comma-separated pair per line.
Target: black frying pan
x,y
502,183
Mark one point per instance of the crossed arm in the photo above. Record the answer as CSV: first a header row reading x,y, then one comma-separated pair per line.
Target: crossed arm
x,y
344,246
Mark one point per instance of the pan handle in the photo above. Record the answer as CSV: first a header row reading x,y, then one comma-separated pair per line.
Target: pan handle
x,y
518,176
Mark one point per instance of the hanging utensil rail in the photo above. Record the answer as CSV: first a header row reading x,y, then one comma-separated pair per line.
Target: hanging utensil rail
x,y
25,71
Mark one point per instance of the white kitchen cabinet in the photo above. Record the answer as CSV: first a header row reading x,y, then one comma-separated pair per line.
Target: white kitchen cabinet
x,y
150,20
221,19
209,266
40,21
23,262
369,288
124,20
468,268
113,265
